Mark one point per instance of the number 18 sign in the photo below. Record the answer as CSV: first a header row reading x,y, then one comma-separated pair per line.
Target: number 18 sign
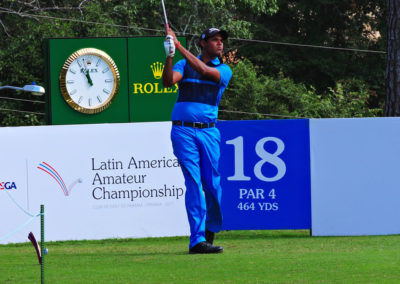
x,y
265,174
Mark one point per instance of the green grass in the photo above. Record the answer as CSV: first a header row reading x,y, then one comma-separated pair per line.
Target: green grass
x,y
249,257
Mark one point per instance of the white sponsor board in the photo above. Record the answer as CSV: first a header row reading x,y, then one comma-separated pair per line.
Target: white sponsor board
x,y
355,186
96,181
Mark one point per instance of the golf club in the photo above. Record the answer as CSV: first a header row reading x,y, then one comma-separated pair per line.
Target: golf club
x,y
165,16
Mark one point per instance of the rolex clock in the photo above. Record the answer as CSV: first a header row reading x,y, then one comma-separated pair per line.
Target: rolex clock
x,y
89,80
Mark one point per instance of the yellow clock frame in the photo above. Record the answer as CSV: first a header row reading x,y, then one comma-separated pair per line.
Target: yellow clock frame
x,y
63,82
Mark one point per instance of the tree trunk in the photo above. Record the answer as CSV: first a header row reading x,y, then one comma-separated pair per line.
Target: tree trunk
x,y
392,106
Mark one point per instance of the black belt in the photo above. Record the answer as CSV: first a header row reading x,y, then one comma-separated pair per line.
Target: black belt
x,y
193,124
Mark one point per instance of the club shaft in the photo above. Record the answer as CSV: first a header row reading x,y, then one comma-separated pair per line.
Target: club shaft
x,y
165,15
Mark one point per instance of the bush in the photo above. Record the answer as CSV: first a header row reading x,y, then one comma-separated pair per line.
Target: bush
x,y
251,95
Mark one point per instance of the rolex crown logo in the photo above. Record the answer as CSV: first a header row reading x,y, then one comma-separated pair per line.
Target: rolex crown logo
x,y
157,68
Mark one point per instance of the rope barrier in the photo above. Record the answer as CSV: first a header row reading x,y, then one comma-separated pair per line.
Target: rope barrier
x,y
264,114
23,111
22,100
19,206
20,227
21,14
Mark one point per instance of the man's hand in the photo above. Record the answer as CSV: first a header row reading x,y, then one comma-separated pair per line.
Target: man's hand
x,y
169,46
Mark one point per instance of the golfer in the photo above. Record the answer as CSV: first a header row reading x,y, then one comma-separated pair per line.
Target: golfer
x,y
195,139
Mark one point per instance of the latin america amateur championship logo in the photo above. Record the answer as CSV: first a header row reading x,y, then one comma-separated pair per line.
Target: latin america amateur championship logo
x,y
52,172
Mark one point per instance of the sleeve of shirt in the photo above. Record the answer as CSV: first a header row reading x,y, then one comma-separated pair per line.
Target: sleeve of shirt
x,y
180,66
226,74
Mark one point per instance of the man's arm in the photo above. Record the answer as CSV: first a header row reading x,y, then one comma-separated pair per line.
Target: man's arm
x,y
169,77
198,65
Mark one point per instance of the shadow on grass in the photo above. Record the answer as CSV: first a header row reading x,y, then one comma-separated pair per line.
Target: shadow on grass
x,y
223,235
117,254
263,234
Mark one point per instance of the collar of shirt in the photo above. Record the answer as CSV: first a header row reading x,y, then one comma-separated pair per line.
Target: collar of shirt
x,y
214,61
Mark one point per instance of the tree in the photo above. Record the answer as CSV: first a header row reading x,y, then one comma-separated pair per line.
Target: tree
x,y
392,106
24,25
357,24
256,96
282,80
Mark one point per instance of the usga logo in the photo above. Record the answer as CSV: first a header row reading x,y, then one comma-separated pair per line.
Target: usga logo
x,y
154,88
7,185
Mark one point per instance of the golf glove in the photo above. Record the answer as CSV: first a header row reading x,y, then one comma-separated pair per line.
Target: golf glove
x,y
169,46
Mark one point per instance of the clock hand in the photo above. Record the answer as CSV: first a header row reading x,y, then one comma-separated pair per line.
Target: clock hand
x,y
86,71
88,77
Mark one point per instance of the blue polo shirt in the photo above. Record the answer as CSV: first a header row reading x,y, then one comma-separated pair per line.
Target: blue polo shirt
x,y
198,97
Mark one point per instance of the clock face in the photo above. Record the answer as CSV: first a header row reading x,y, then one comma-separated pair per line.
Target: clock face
x,y
89,80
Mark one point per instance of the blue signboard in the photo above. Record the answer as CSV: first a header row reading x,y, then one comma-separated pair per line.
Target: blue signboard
x,y
265,174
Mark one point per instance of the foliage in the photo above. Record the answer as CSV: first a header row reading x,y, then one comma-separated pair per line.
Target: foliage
x,y
284,80
244,92
24,25
261,96
356,24
351,98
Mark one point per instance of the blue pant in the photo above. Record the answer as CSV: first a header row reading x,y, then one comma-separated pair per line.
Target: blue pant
x,y
198,153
